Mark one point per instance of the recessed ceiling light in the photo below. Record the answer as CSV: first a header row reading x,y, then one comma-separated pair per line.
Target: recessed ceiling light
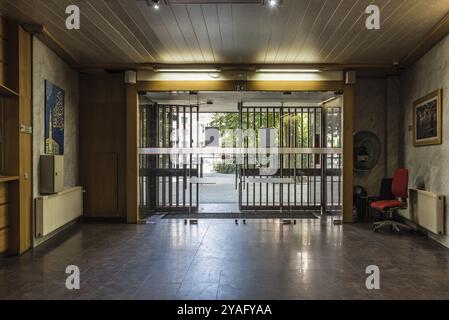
x,y
273,3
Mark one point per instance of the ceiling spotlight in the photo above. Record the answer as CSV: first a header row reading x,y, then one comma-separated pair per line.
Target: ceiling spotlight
x,y
156,4
273,3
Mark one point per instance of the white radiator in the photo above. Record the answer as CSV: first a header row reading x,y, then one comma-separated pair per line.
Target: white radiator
x,y
426,209
54,211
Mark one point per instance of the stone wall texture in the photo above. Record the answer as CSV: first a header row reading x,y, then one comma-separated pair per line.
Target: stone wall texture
x,y
429,164
48,66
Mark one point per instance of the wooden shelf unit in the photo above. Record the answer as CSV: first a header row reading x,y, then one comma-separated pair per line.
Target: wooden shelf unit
x,y
7,92
8,179
16,171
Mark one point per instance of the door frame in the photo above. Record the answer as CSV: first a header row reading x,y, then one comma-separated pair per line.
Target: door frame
x,y
132,125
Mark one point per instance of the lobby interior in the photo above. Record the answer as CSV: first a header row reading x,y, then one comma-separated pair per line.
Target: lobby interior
x,y
214,150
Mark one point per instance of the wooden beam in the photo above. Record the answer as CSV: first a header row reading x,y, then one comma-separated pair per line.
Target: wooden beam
x,y
294,86
132,157
146,86
348,162
26,139
438,32
50,41
237,66
143,86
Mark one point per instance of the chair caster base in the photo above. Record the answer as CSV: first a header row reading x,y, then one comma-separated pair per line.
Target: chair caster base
x,y
393,225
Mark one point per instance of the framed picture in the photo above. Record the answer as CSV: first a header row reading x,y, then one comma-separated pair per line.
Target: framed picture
x,y
54,119
427,119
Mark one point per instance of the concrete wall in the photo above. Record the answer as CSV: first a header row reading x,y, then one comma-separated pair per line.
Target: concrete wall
x,y
48,66
376,109
430,163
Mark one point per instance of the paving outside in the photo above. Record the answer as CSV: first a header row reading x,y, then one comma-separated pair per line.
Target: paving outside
x,y
221,188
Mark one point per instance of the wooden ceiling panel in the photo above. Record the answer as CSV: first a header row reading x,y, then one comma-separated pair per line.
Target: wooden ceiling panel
x,y
308,19
153,23
26,12
224,13
212,25
277,29
394,23
388,9
404,38
195,15
298,31
353,22
245,29
184,23
294,23
321,20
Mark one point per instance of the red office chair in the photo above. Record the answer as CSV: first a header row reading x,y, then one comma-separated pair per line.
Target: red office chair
x,y
399,188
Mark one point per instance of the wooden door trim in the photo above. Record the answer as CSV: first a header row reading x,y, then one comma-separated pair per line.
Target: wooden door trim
x,y
132,106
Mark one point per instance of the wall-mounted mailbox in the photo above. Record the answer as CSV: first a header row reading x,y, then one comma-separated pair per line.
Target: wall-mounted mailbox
x,y
51,174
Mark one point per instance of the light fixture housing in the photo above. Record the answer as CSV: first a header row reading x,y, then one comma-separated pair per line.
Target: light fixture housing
x,y
302,70
188,70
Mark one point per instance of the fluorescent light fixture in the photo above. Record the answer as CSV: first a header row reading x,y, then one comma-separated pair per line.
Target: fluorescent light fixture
x,y
288,70
188,70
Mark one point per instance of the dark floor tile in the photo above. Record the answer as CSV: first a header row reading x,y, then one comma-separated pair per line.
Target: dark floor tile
x,y
263,259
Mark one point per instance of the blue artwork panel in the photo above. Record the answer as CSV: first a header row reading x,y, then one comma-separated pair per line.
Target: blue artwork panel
x,y
54,119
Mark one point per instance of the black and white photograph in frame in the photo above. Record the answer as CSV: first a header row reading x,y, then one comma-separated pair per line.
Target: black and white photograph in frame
x,y
427,120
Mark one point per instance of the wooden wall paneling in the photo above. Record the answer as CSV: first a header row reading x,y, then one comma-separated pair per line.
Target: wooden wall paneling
x,y
348,162
18,150
11,132
102,131
132,143
3,42
3,240
11,32
105,202
11,168
4,219
3,193
26,139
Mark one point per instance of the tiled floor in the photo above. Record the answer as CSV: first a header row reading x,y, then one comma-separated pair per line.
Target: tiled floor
x,y
217,259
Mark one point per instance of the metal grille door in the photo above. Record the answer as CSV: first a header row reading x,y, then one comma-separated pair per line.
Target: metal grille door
x,y
296,182
165,178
